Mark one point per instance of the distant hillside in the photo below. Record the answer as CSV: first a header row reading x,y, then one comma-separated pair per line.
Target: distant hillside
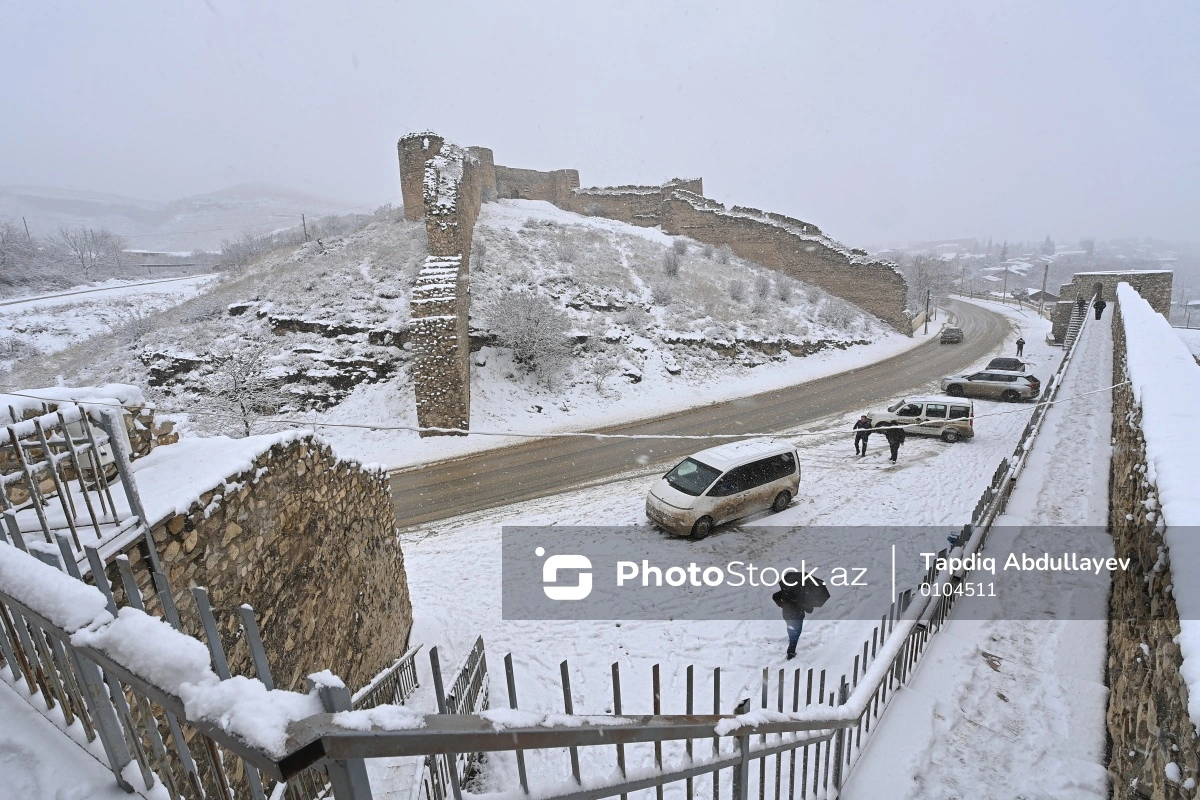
x,y
190,223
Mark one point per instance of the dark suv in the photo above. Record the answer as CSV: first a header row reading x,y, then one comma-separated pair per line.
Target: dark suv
x,y
1007,364
952,336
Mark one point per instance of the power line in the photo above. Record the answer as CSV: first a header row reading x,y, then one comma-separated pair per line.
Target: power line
x,y
551,435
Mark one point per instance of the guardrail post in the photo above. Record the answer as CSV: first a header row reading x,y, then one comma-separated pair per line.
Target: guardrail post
x,y
839,749
348,776
741,772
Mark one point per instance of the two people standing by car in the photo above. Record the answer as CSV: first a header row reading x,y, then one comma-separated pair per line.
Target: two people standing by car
x,y
895,435
892,431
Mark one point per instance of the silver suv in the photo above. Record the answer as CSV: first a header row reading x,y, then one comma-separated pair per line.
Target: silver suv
x,y
993,384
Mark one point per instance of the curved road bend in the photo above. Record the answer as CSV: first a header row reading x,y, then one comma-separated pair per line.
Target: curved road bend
x,y
543,467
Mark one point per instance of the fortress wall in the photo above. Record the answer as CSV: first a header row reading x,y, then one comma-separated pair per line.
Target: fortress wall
x,y
793,248
414,150
530,184
452,192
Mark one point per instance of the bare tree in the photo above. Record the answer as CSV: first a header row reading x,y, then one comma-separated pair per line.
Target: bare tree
x,y
242,379
90,247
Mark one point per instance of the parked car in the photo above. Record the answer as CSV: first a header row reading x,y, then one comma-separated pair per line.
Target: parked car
x,y
1007,364
724,483
952,336
951,418
993,384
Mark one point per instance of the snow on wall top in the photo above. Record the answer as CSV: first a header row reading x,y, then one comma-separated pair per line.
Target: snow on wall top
x,y
443,178
171,478
111,394
1166,382
795,227
68,603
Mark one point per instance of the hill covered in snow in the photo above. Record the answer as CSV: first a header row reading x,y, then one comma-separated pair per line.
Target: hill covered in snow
x,y
320,332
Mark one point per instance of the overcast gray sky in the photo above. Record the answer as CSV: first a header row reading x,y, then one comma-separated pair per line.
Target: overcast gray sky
x,y
878,122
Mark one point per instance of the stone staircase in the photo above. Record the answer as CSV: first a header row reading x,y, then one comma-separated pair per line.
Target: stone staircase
x,y
1076,322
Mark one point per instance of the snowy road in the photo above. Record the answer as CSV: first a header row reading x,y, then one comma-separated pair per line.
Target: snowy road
x,y
548,466
454,572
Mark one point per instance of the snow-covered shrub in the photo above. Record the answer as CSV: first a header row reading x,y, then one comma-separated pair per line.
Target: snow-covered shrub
x,y
478,253
783,289
661,294
708,251
680,246
737,290
836,313
565,250
671,261
724,254
762,286
534,329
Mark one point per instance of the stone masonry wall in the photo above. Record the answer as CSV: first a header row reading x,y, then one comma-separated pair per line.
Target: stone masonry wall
x,y
1155,286
306,539
414,150
636,205
453,190
794,248
529,184
1148,720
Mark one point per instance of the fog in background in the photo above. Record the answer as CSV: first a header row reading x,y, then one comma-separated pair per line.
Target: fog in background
x,y
878,122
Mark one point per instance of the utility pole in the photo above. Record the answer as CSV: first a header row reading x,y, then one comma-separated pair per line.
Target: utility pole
x,y
927,292
1004,291
305,224
1042,299
962,279
26,224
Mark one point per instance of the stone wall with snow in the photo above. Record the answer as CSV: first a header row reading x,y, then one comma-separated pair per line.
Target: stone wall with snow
x,y
1148,708
1153,285
554,186
636,205
304,537
796,249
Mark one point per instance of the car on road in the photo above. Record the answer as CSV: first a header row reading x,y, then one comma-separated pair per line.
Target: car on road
x,y
949,418
724,483
952,336
1007,364
993,384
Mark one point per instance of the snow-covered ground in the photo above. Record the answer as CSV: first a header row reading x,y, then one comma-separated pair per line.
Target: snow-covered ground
x,y
46,324
1191,338
454,571
1013,704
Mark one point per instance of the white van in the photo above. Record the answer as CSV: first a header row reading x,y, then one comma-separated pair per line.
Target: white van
x,y
951,418
725,483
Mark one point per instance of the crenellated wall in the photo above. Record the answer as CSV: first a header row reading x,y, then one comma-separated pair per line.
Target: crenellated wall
x,y
1148,719
445,184
795,248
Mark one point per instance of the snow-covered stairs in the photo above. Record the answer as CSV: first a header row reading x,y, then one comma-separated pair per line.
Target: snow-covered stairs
x,y
1073,326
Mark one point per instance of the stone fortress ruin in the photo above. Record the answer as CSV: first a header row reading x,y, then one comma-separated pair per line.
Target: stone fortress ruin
x,y
445,185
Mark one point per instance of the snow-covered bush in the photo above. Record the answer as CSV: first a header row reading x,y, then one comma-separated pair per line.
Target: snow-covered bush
x,y
724,254
680,246
671,261
534,329
737,290
762,286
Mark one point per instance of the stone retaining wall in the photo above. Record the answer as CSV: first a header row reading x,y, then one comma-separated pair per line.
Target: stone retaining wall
x,y
306,539
1148,719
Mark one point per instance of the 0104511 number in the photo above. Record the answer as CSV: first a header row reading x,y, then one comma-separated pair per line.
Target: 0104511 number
x,y
955,587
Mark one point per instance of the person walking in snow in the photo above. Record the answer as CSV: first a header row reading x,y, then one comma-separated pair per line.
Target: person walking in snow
x,y
1099,306
790,599
863,426
1020,346
895,437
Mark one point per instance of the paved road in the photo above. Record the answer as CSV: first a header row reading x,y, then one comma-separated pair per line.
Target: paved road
x,y
546,466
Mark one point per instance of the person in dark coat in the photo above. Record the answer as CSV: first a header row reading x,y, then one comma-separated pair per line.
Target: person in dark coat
x,y
790,599
1020,346
863,426
895,437
1099,306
